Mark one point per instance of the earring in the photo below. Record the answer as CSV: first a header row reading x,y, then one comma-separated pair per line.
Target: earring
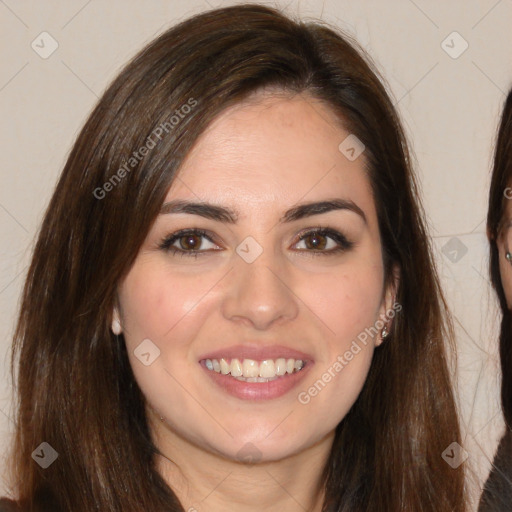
x,y
116,327
508,256
384,334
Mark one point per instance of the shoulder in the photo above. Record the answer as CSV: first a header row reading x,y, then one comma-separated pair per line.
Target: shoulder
x,y
497,495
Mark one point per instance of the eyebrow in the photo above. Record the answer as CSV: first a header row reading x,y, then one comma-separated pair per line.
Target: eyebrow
x,y
228,215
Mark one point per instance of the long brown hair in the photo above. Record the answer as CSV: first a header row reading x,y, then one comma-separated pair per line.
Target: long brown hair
x,y
500,192
76,390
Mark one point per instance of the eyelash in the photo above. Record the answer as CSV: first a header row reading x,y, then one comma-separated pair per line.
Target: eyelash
x,y
343,243
168,241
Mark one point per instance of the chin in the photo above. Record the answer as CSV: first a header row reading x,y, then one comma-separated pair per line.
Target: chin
x,y
258,447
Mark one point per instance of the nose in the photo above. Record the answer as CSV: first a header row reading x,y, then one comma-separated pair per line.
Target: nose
x,y
259,295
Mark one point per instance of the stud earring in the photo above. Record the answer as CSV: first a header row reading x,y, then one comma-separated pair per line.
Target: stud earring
x,y
384,334
116,327
508,256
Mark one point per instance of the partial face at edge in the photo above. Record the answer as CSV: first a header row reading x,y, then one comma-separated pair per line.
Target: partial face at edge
x,y
269,280
504,244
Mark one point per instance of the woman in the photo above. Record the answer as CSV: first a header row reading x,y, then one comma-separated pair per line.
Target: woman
x,y
232,301
497,495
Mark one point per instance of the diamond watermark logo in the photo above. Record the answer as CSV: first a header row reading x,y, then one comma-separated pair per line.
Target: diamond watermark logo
x,y
45,455
454,250
249,454
351,147
147,352
454,45
455,455
249,250
44,45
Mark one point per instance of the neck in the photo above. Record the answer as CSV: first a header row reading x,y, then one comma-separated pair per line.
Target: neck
x,y
207,482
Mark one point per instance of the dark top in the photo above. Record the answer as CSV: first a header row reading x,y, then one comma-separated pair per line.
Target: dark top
x,y
497,494
7,505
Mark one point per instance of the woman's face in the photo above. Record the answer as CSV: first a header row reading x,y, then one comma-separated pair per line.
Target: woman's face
x,y
286,277
504,243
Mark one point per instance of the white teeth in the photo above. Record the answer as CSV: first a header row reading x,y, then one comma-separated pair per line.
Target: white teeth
x,y
236,368
224,367
250,370
255,379
267,369
280,366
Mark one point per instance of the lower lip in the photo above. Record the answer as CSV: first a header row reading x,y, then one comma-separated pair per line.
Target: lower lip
x,y
258,390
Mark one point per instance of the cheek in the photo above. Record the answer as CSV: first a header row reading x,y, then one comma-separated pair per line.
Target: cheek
x,y
167,308
156,303
505,270
346,302
506,278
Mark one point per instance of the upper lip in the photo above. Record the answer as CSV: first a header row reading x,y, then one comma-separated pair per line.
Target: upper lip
x,y
257,352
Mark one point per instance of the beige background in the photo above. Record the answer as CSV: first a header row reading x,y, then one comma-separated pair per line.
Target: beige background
x,y
449,105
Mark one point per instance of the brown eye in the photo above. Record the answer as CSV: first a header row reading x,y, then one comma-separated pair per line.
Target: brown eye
x,y
323,241
315,241
190,242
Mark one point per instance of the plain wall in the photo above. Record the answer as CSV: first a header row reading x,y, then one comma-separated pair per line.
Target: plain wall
x,y
449,105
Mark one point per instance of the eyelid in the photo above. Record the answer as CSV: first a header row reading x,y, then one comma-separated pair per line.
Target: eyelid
x,y
167,242
343,242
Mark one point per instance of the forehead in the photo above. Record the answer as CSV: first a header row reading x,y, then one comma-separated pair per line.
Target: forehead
x,y
273,149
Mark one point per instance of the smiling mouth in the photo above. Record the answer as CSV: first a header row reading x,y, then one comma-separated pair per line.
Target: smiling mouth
x,y
251,370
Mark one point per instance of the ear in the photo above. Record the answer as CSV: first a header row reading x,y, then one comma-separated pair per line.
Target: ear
x,y
389,307
116,322
490,236
502,242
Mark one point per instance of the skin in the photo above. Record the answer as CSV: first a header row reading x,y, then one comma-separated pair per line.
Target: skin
x,y
260,158
504,243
